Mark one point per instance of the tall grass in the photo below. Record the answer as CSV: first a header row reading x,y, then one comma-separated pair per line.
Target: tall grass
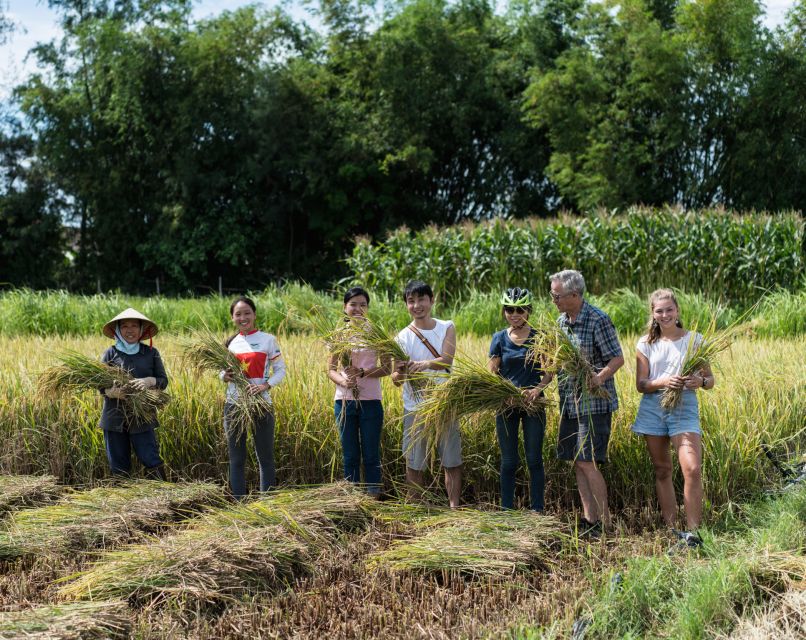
x,y
24,312
760,397
732,257
744,561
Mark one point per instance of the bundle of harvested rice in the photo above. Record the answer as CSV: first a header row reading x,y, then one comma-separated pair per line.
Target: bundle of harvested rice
x,y
77,621
558,353
103,517
248,548
700,354
494,544
27,491
205,351
470,388
78,373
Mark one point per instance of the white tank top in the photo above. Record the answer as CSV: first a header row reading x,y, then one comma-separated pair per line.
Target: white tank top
x,y
416,350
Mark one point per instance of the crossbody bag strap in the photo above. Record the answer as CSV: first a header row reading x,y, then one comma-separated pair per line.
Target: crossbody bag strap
x,y
427,344
425,341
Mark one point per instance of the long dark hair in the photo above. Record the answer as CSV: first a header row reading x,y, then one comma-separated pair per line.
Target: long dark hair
x,y
247,301
653,328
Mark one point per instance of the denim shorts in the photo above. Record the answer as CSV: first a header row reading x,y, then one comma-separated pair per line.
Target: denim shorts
x,y
654,420
416,451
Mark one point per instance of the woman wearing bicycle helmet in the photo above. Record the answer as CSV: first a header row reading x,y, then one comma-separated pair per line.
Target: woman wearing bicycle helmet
x,y
508,352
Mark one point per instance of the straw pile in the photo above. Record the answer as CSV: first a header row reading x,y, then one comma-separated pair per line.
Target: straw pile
x,y
471,388
205,351
246,549
103,517
78,373
559,353
26,491
477,544
67,622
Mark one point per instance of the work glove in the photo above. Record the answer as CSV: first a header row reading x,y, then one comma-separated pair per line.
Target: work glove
x,y
141,384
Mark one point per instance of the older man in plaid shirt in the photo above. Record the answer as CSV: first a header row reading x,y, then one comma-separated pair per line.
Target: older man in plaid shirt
x,y
585,420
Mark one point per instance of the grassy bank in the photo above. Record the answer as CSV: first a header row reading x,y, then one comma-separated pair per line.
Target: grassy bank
x,y
24,312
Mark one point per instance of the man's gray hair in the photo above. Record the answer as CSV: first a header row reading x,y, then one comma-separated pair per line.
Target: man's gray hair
x,y
571,281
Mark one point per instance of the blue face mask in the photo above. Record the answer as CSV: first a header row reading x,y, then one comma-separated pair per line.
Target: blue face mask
x,y
126,347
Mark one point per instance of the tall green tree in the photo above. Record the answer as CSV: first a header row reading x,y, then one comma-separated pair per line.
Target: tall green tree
x,y
31,238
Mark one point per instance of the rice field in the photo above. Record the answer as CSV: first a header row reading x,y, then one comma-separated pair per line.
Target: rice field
x,y
327,561
760,398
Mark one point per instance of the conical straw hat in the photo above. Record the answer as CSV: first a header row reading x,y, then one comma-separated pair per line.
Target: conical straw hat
x,y
149,328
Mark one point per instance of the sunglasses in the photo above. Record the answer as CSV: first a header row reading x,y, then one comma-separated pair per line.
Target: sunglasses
x,y
515,309
559,296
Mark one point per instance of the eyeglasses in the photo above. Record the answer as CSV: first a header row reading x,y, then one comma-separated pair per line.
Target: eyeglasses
x,y
515,309
559,296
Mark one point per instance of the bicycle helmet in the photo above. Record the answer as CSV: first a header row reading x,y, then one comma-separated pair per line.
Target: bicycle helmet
x,y
516,297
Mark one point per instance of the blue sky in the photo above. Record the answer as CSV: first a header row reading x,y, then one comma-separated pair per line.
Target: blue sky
x,y
37,23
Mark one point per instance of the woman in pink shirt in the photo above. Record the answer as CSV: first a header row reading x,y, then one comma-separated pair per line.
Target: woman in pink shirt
x,y
358,408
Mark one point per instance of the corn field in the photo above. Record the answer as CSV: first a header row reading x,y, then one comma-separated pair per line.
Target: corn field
x,y
728,257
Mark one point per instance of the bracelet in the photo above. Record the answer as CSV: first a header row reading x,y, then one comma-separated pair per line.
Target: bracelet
x,y
361,375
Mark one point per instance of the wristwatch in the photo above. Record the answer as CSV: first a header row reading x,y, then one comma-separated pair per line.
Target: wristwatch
x,y
361,375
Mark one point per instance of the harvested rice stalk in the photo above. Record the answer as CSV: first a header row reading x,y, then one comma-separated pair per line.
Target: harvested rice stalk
x,y
78,621
205,351
103,517
559,353
209,563
245,549
700,354
494,544
78,373
27,491
471,388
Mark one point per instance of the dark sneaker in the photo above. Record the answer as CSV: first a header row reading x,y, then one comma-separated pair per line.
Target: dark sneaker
x,y
590,529
686,540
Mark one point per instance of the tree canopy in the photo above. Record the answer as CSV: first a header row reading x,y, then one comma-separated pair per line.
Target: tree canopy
x,y
253,147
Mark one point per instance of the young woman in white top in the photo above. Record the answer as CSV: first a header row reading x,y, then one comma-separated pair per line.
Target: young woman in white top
x,y
358,407
660,355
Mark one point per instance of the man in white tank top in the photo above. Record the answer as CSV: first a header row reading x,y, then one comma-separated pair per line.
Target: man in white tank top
x,y
431,345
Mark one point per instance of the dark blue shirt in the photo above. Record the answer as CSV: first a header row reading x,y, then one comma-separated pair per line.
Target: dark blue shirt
x,y
146,363
514,366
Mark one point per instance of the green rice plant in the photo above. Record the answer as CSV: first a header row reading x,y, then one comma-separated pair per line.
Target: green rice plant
x,y
248,548
205,351
561,355
75,621
77,373
102,517
27,491
477,311
477,544
700,354
470,388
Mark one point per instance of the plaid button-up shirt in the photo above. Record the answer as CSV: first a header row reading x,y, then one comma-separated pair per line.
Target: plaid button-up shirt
x,y
594,333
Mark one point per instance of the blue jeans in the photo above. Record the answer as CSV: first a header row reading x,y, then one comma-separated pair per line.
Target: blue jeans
x,y
534,428
360,430
119,445
263,432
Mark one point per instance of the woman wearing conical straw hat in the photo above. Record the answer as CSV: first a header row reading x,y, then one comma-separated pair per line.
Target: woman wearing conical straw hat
x,y
143,362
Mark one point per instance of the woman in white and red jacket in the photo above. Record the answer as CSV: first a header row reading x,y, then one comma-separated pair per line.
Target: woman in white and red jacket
x,y
264,366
